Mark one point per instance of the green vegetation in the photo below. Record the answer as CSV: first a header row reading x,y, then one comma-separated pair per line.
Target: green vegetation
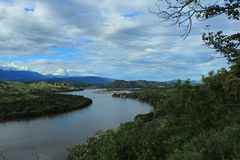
x,y
121,84
189,122
149,96
36,87
18,100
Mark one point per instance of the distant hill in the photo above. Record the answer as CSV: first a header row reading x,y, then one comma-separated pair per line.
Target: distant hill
x,y
30,76
86,80
145,84
137,84
16,75
193,82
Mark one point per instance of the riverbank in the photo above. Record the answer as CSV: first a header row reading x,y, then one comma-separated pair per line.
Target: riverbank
x,y
150,96
111,91
188,122
21,100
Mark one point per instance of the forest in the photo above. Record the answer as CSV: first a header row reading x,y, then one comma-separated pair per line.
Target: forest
x,y
199,122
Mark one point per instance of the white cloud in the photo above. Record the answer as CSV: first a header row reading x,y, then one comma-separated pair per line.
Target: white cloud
x,y
12,66
61,72
140,47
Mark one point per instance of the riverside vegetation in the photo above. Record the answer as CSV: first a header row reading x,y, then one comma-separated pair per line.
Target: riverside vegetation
x,y
19,100
188,122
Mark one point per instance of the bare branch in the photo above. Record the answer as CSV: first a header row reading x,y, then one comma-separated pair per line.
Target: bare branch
x,y
2,156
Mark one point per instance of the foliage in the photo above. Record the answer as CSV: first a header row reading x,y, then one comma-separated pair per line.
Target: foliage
x,y
188,122
149,96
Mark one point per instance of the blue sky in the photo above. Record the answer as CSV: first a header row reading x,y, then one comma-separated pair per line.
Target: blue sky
x,y
119,39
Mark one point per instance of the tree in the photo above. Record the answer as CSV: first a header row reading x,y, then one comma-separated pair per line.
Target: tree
x,y
182,13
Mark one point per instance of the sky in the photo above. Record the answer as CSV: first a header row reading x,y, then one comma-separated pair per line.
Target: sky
x,y
119,39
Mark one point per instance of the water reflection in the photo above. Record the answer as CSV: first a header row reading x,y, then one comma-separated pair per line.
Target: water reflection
x,y
49,136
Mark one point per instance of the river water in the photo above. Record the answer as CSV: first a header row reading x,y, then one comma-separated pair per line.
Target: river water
x,y
46,138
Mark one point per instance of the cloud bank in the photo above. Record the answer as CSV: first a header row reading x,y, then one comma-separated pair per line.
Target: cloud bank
x,y
117,39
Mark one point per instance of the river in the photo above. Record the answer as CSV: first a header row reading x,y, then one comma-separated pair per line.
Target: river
x,y
46,138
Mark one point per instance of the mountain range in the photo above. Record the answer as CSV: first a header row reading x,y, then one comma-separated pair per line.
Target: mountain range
x,y
29,76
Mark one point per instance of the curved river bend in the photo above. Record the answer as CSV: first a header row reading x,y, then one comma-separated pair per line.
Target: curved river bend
x,y
46,138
